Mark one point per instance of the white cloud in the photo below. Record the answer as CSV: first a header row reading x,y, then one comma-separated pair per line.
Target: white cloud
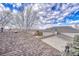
x,y
45,26
35,7
74,22
1,7
17,4
15,11
7,9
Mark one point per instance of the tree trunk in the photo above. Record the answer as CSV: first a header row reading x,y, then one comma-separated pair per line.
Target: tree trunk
x,y
2,29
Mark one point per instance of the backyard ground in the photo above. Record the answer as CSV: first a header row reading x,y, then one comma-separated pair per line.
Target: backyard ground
x,y
24,44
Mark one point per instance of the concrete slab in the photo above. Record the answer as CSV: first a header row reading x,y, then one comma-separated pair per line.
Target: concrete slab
x,y
56,42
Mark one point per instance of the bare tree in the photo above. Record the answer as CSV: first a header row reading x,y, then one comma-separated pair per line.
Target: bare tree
x,y
25,19
5,17
31,17
18,20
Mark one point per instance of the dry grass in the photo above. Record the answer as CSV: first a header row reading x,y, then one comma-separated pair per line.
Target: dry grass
x,y
23,43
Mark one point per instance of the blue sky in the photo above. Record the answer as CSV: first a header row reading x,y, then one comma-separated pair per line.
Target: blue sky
x,y
73,16
12,6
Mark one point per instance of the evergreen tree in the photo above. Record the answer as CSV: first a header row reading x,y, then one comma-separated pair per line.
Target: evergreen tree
x,y
75,46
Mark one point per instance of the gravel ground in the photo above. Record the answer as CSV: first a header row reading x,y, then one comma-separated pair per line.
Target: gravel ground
x,y
24,44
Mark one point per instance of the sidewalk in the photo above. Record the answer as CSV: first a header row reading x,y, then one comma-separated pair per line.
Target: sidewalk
x,y
56,42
